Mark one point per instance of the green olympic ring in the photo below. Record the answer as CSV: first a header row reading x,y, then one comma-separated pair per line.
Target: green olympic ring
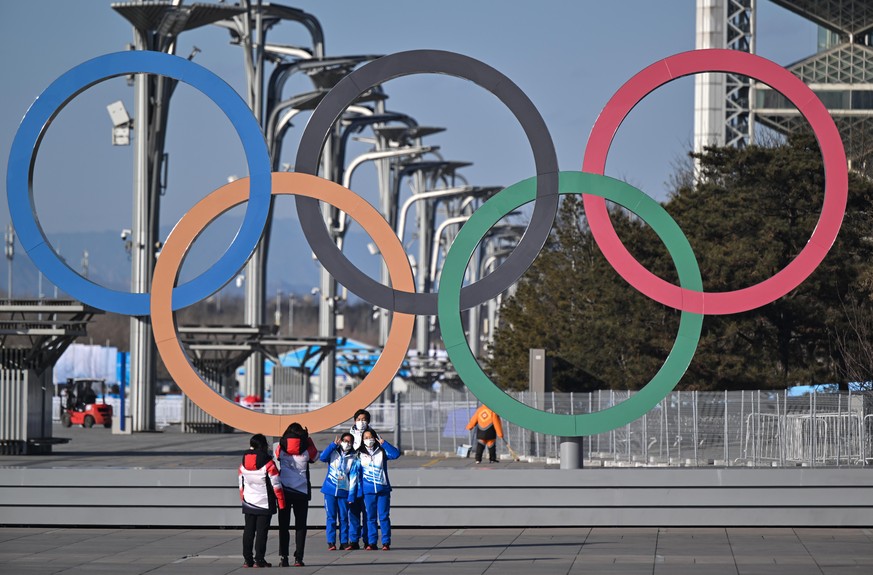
x,y
449,310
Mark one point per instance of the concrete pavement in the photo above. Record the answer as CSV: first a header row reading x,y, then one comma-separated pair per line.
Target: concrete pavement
x,y
504,551
415,551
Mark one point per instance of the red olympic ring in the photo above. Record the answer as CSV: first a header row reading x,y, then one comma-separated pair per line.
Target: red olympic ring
x,y
836,181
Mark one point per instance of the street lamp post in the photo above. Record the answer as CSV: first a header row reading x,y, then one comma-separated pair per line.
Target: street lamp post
x,y
278,313
249,29
426,197
10,255
157,26
290,315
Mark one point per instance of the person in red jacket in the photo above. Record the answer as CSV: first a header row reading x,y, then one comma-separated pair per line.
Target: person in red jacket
x,y
259,490
295,452
488,429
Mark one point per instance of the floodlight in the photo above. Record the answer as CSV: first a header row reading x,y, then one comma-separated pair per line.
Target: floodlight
x,y
118,114
121,123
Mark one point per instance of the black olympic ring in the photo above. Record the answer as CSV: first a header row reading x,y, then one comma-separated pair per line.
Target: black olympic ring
x,y
400,64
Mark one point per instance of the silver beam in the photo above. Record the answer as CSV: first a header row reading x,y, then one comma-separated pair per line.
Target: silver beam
x,y
142,359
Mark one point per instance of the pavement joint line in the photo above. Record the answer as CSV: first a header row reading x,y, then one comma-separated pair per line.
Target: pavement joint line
x,y
731,547
520,533
579,553
657,557
424,557
199,556
807,551
223,543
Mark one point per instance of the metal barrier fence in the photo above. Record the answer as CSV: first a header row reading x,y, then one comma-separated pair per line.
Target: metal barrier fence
x,y
13,403
740,428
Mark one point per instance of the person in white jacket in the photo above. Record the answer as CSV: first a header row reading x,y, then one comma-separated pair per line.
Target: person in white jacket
x,y
260,491
361,421
295,452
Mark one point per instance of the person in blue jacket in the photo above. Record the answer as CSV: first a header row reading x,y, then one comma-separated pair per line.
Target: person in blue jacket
x,y
357,512
371,480
340,458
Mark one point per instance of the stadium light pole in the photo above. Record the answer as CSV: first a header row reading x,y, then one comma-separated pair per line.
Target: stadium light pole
x,y
156,27
10,255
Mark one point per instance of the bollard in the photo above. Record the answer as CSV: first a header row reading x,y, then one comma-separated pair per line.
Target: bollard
x,y
397,422
571,453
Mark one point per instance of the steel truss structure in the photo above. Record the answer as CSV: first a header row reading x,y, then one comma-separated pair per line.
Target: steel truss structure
x,y
841,74
722,101
740,31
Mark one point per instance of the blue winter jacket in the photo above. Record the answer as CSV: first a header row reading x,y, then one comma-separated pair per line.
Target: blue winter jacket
x,y
371,473
339,469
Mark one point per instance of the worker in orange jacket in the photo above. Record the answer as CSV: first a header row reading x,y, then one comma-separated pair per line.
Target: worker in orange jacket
x,y
488,429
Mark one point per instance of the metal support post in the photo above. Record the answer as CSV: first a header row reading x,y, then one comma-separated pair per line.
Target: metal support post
x,y
10,255
425,231
256,267
142,357
327,290
388,207
474,317
397,423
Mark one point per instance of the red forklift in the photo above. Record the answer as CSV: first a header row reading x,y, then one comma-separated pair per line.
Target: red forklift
x,y
79,404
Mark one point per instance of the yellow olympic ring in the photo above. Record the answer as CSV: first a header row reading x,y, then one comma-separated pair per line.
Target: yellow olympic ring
x,y
166,275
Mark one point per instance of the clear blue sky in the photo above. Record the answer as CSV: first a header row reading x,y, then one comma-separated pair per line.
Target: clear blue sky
x,y
569,57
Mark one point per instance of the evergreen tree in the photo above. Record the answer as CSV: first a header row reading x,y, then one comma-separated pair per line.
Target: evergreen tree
x,y
752,213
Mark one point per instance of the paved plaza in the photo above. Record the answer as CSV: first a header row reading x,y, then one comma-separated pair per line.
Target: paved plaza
x,y
495,551
456,551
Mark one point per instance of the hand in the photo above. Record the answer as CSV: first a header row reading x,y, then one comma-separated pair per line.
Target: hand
x,y
337,440
381,441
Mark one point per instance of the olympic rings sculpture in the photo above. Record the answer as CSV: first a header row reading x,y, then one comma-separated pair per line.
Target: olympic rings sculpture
x,y
543,189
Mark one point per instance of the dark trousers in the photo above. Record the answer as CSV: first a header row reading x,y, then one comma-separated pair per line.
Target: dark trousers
x,y
255,532
492,449
299,503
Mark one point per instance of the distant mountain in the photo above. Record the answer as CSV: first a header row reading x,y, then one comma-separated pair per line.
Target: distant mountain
x,y
290,266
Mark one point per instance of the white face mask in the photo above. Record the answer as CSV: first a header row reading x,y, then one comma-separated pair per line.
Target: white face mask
x,y
361,424
370,442
345,445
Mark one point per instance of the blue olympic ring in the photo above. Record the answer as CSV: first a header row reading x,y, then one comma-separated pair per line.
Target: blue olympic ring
x,y
22,156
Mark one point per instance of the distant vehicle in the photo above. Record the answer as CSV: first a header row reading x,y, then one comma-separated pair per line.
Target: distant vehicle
x,y
80,405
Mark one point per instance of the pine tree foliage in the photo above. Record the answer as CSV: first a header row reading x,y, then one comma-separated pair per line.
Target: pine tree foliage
x,y
751,214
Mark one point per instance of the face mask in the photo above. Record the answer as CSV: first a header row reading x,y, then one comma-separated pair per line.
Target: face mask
x,y
360,425
369,442
345,445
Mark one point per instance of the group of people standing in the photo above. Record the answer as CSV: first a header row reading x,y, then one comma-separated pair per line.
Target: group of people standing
x,y
357,492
